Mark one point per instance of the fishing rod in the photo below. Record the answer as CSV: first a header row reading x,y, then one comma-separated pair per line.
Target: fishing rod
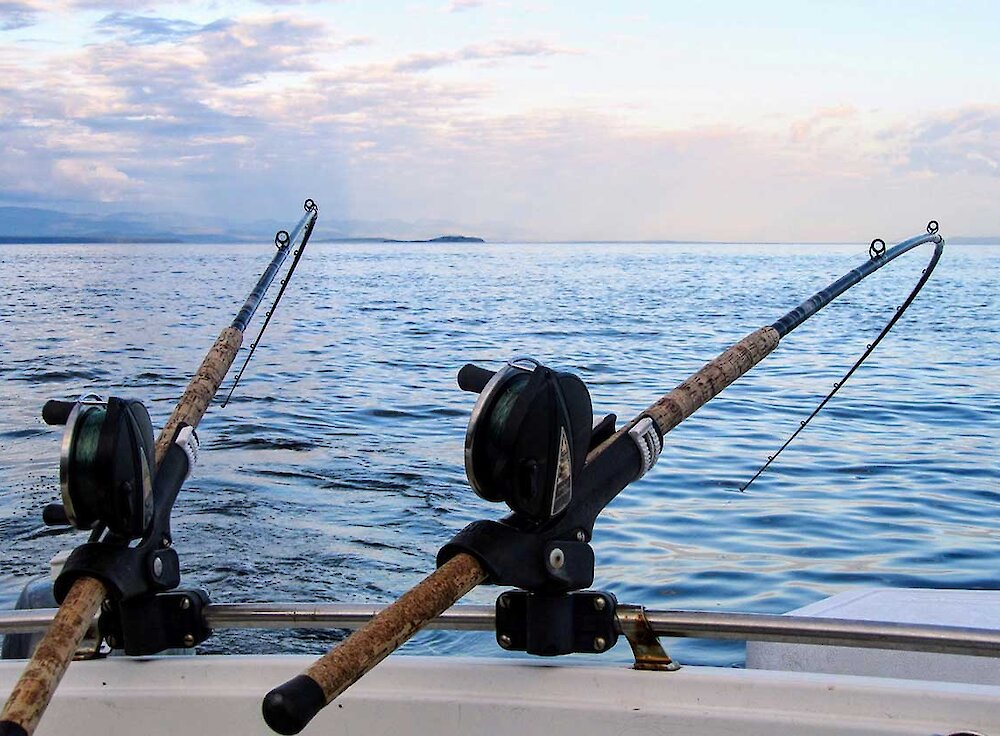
x,y
532,443
119,485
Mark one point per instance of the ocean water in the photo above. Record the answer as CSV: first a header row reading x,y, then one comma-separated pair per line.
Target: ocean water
x,y
336,472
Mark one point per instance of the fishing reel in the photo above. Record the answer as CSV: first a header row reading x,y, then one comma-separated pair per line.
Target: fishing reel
x,y
528,436
106,465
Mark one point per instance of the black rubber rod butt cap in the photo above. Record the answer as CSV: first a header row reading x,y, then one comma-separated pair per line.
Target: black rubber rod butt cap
x,y
9,728
289,707
473,378
56,412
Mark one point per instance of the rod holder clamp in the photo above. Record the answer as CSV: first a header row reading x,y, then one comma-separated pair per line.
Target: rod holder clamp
x,y
549,625
154,623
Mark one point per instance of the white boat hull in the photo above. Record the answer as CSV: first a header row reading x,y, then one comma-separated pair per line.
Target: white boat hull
x,y
445,697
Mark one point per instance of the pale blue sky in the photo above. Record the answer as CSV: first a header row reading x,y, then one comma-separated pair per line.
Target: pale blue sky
x,y
541,120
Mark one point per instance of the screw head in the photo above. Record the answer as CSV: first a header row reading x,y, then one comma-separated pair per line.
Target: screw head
x,y
188,640
504,641
185,603
599,603
556,558
157,567
581,536
599,643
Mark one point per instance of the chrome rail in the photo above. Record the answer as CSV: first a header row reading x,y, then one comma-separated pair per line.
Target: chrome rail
x,y
684,624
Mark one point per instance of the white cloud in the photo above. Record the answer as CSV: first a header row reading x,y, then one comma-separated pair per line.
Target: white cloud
x,y
105,182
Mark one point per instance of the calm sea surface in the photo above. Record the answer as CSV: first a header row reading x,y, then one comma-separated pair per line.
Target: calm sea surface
x,y
336,472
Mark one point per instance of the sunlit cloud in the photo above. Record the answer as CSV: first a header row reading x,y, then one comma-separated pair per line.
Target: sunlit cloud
x,y
495,51
457,6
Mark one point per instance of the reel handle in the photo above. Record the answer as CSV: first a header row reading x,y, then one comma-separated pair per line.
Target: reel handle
x,y
472,378
54,514
56,412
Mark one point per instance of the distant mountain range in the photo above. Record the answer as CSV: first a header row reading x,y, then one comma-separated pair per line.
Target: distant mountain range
x,y
37,225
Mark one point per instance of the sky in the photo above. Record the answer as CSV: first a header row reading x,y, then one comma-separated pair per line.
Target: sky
x,y
540,120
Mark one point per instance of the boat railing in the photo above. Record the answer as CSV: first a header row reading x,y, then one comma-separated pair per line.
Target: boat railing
x,y
681,624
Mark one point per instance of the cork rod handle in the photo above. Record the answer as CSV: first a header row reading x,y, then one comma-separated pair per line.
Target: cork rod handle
x,y
289,707
31,694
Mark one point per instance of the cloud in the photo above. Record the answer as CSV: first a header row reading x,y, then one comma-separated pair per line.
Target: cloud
x,y
827,119
458,6
105,181
242,113
146,29
113,120
962,141
497,50
18,14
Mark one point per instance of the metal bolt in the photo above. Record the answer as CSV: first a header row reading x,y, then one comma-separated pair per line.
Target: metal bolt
x,y
188,640
599,603
165,542
599,643
504,641
556,558
185,603
157,567
581,536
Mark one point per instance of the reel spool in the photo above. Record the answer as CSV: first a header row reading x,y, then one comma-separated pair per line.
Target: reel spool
x,y
528,437
106,465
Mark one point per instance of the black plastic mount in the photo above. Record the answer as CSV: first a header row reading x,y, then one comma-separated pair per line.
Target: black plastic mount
x,y
151,566
126,572
552,556
139,614
151,623
547,625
